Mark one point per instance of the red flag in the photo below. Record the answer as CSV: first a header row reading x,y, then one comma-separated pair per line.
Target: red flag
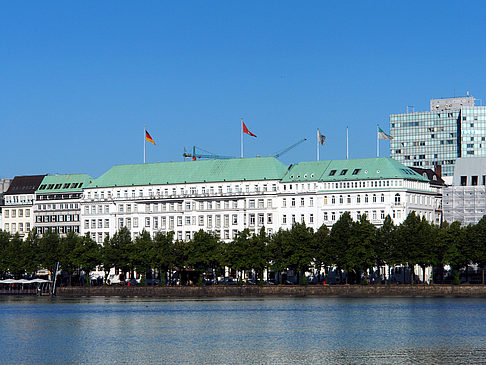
x,y
245,130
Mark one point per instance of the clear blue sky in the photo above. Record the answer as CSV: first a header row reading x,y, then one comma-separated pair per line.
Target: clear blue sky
x,y
78,80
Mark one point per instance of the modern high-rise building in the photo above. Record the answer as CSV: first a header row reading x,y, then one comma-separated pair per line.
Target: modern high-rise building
x,y
453,128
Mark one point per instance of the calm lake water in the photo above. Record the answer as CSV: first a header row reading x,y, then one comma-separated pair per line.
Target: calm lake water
x,y
229,331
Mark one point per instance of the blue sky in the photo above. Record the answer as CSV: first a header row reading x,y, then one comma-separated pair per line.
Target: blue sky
x,y
80,79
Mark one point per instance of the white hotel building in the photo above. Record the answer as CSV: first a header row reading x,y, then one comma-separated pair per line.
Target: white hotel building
x,y
227,196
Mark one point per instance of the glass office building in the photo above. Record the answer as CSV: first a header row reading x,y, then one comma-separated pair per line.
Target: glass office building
x,y
453,128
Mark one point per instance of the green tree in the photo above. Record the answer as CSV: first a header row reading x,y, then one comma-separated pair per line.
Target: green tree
x,y
67,247
385,247
4,245
164,253
86,254
455,254
49,251
141,254
323,254
359,254
117,251
339,241
301,249
257,253
204,252
478,251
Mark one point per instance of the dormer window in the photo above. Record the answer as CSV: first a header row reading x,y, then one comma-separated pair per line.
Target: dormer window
x,y
356,171
343,172
332,173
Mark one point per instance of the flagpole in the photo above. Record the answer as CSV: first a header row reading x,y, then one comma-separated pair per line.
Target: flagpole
x,y
377,142
347,143
144,143
241,156
317,144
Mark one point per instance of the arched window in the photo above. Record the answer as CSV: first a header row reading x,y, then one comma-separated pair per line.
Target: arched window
x,y
374,198
340,199
366,198
382,198
397,199
358,199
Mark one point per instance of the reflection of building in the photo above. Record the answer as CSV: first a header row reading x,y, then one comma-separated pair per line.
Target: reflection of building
x,y
465,200
227,196
57,203
18,216
453,128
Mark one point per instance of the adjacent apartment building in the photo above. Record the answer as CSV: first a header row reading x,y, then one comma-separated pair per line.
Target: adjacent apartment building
x,y
465,200
451,129
18,215
57,203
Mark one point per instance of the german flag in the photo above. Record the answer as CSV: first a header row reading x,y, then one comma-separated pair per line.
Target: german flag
x,y
148,138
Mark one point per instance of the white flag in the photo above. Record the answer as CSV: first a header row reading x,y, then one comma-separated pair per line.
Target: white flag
x,y
383,135
321,138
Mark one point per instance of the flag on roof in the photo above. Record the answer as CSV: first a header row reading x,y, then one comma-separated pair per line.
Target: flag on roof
x,y
321,138
149,138
383,135
245,130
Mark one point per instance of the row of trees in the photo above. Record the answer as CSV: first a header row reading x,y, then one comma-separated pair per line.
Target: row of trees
x,y
355,247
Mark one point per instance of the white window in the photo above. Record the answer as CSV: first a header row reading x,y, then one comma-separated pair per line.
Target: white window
x,y
311,218
311,202
235,219
147,222
188,221
201,220
284,219
261,219
135,222
252,219
107,223
284,202
179,221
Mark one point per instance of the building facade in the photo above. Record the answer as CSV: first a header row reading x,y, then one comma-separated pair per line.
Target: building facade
x,y
4,184
465,199
18,215
221,196
57,203
227,196
453,128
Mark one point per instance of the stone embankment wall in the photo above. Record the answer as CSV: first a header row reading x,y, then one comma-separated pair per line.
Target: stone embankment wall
x,y
478,291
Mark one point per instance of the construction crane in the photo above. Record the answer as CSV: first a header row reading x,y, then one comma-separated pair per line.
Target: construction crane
x,y
208,155
289,148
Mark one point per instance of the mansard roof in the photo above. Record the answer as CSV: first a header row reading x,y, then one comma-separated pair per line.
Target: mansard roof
x,y
24,184
239,169
64,183
350,170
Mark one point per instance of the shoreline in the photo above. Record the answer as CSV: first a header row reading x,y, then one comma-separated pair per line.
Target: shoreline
x,y
345,291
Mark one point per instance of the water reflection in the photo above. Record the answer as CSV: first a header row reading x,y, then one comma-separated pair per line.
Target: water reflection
x,y
303,330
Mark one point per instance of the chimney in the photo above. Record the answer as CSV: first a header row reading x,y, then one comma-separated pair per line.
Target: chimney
x,y
438,171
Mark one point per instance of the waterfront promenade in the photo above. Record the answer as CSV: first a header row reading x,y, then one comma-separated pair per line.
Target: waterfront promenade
x,y
466,291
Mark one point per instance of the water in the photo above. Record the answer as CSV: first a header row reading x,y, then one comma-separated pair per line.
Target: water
x,y
228,331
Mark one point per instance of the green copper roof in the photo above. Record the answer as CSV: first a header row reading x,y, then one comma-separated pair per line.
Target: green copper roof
x,y
258,168
347,170
63,183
